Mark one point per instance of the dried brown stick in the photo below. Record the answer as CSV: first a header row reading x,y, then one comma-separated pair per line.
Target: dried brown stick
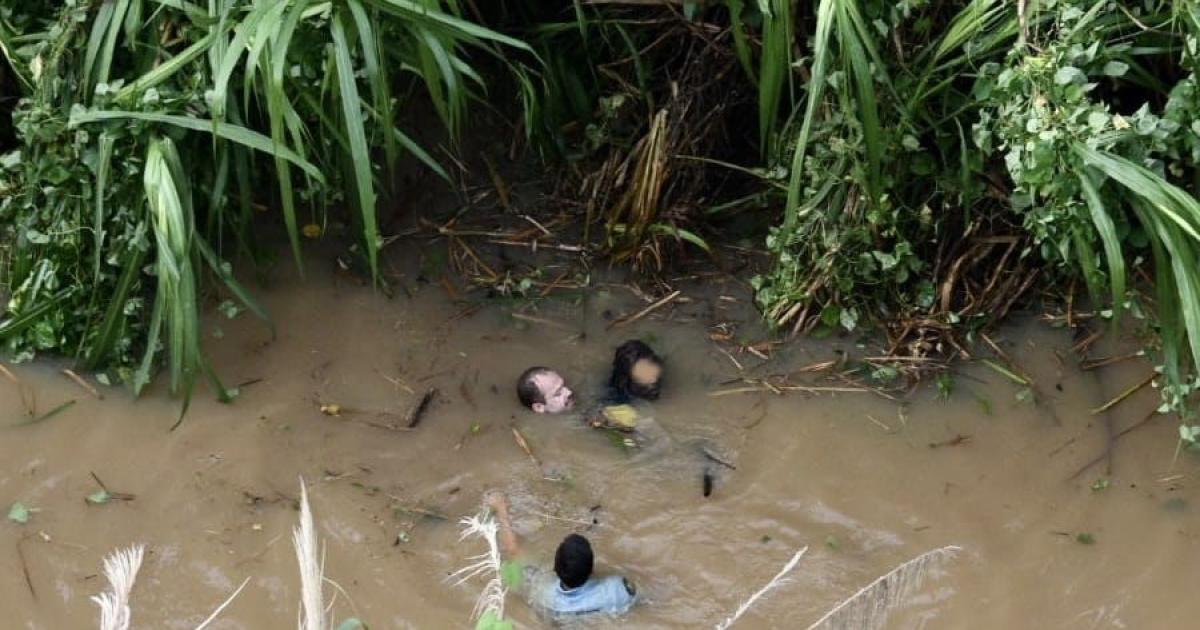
x,y
1111,443
25,568
1125,394
413,418
646,311
525,447
82,383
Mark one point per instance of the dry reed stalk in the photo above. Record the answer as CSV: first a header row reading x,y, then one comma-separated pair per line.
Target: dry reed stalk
x,y
775,582
869,607
313,615
491,599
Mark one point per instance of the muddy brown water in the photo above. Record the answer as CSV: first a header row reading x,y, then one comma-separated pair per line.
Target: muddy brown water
x,y
850,475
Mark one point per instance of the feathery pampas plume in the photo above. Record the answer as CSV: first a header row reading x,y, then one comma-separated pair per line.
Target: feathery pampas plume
x,y
313,615
121,568
491,600
775,581
869,608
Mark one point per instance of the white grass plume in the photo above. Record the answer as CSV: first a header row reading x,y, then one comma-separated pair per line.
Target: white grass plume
x,y
868,608
775,581
313,615
488,562
121,568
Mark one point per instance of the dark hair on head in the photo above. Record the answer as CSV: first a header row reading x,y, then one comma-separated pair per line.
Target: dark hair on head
x,y
573,561
527,390
621,381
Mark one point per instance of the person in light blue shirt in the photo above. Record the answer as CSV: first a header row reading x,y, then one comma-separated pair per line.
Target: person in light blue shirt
x,y
571,589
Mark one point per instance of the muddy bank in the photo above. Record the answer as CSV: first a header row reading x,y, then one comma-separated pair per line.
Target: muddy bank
x,y
850,474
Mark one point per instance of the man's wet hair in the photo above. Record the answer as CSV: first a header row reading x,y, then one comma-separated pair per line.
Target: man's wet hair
x,y
627,356
573,561
527,390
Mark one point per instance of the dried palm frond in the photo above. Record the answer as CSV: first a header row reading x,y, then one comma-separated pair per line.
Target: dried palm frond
x,y
491,599
120,568
868,608
775,581
313,615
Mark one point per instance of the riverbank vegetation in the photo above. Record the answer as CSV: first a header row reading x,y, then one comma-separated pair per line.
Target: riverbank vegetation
x,y
920,166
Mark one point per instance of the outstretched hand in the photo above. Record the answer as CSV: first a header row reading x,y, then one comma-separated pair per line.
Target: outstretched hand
x,y
496,500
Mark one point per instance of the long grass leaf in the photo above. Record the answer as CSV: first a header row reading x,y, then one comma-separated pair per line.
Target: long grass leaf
x,y
775,66
110,327
103,167
225,273
359,155
234,133
166,69
1108,236
816,92
454,26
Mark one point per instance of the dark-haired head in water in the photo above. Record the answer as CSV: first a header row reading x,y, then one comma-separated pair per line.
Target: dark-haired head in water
x,y
636,372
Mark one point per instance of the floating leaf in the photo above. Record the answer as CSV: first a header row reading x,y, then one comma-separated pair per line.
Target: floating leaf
x,y
18,513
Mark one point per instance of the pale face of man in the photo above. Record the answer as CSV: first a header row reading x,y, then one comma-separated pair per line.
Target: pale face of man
x,y
555,392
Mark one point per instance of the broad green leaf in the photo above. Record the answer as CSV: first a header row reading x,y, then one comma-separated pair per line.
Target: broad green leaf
x,y
18,513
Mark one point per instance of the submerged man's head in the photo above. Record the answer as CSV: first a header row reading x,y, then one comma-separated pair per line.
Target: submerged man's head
x,y
637,371
544,391
573,561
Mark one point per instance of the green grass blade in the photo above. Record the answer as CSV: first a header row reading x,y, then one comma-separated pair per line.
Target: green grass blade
x,y
359,155
114,316
103,167
741,42
1112,241
412,147
775,67
225,273
456,27
816,92
27,318
234,133
381,96
166,69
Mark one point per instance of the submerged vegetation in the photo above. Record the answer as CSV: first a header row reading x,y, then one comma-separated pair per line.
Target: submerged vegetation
x,y
925,166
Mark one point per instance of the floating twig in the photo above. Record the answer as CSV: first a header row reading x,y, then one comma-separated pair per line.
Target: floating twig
x,y
116,496
82,383
539,320
25,568
49,414
1112,442
621,321
777,389
418,410
1125,394
954,441
525,447
1005,372
1099,363
708,452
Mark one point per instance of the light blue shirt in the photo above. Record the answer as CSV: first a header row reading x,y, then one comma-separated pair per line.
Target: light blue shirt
x,y
610,594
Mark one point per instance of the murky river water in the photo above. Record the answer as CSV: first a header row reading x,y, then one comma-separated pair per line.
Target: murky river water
x,y
851,475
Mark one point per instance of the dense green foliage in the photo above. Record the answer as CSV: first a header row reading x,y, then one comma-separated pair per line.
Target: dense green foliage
x,y
1065,127
144,124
